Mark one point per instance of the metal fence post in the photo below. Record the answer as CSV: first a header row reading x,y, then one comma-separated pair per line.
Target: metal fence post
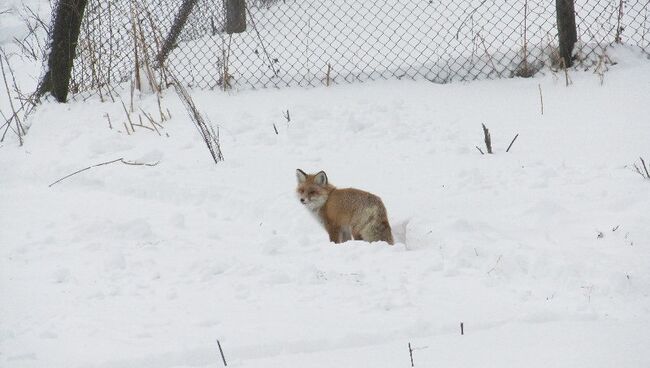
x,y
566,27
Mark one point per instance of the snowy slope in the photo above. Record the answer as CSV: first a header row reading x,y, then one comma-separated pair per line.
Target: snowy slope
x,y
133,266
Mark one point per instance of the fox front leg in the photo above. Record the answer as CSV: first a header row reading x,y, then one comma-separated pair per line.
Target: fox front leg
x,y
345,234
335,233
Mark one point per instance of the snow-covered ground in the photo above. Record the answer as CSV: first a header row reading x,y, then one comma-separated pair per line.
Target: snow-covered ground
x,y
146,267
542,252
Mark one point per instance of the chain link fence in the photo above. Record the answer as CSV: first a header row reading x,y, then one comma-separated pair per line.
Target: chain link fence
x,y
315,42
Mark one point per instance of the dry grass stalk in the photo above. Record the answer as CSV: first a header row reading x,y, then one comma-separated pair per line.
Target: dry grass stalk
x,y
151,77
327,76
644,173
19,129
525,70
135,47
210,137
128,116
261,41
225,64
512,142
619,17
541,99
108,117
488,139
486,52
601,66
153,123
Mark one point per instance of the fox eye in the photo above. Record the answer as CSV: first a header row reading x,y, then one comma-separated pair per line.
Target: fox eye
x,y
311,192
301,191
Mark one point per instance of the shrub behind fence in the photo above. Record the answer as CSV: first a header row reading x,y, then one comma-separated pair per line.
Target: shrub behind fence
x,y
315,42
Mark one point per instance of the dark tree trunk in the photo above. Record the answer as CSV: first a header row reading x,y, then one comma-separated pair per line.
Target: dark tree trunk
x,y
64,38
235,16
179,23
566,27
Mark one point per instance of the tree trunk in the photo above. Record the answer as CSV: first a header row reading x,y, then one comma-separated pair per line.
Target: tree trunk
x,y
179,23
64,38
235,16
566,27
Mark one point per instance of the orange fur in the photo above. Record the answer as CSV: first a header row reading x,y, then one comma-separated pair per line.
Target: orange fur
x,y
345,213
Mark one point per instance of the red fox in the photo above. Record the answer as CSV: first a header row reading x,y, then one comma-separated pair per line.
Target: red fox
x,y
344,213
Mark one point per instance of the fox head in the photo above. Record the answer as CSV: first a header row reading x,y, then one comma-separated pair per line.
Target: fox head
x,y
313,189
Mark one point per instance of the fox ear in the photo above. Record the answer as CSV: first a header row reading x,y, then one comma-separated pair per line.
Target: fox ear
x,y
321,178
301,176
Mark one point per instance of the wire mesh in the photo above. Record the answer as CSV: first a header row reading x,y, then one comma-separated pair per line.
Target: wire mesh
x,y
315,42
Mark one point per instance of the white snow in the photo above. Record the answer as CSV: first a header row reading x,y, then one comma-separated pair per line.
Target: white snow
x,y
146,267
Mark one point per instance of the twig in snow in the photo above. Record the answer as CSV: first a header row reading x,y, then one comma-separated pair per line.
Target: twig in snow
x,y
121,159
142,125
128,116
644,173
513,141
287,116
222,356
108,117
462,328
150,118
276,129
411,355
496,264
541,99
162,116
645,168
480,150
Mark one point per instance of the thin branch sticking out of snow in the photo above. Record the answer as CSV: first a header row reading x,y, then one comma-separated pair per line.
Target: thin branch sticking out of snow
x,y
644,173
511,142
121,159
